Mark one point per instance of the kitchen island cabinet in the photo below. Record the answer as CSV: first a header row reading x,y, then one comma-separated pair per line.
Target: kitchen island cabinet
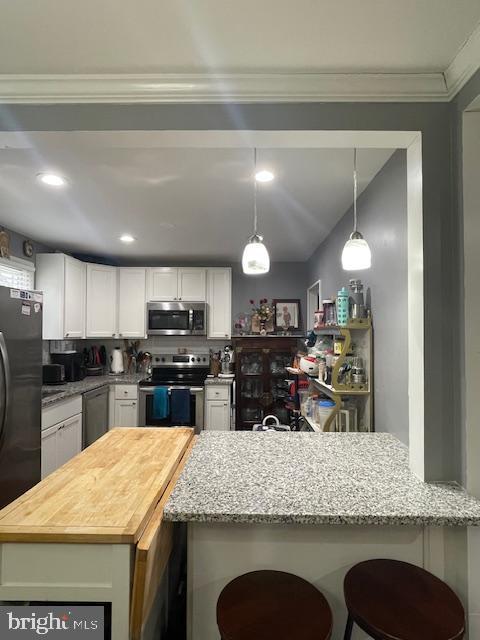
x,y
73,537
313,505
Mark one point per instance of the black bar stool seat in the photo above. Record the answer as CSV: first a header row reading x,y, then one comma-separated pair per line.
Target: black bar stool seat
x,y
273,605
392,600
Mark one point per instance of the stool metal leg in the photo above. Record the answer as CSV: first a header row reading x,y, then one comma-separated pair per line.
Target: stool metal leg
x,y
348,628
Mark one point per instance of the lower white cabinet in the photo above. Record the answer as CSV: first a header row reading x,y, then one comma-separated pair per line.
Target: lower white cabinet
x,y
217,408
60,443
126,413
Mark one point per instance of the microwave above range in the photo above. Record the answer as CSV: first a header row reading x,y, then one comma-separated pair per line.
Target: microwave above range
x,y
176,318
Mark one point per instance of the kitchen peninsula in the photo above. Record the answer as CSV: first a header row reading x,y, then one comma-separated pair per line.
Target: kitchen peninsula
x,y
87,531
313,505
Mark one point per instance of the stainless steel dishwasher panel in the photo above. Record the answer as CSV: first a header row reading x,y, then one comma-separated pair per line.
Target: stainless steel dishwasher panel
x,y
95,415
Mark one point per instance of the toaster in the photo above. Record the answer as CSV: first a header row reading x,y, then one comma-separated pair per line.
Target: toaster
x,y
53,374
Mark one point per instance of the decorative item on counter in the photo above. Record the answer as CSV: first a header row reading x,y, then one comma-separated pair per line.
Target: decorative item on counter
x,y
242,324
287,315
215,363
329,312
357,302
342,307
309,365
263,315
4,244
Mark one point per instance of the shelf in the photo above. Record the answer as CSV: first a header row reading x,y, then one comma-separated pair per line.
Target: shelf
x,y
356,325
340,392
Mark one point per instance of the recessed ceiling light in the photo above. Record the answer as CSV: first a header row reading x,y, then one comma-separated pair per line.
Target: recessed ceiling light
x,y
127,238
52,179
264,176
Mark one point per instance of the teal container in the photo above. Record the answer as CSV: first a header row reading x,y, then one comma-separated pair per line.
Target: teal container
x,y
342,307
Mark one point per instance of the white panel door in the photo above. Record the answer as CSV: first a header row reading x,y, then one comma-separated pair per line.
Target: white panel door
x,y
49,450
101,301
217,416
131,302
162,283
126,413
74,299
191,284
219,299
69,439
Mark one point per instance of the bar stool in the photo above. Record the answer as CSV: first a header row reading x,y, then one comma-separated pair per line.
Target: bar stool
x,y
392,600
272,605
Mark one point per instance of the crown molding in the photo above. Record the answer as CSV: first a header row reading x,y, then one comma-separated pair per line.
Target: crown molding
x,y
218,88
464,65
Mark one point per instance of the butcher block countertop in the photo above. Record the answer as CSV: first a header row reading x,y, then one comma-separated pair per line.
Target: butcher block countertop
x,y
106,494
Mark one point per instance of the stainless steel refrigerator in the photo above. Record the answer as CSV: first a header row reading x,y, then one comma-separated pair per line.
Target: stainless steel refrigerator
x,y
20,391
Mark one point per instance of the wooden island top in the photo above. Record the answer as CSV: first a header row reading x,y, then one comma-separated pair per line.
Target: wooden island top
x,y
106,494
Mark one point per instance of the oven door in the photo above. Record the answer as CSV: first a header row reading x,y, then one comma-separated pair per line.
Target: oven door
x,y
146,414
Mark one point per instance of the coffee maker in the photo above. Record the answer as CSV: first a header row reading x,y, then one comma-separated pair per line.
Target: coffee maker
x,y
228,360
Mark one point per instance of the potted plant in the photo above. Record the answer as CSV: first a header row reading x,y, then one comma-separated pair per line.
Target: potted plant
x,y
263,314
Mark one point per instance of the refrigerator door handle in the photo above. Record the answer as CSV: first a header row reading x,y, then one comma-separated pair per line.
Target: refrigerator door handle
x,y
6,370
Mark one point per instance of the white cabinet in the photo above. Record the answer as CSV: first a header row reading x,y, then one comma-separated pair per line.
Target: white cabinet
x,y
126,413
60,443
101,301
219,300
162,283
191,284
62,280
49,450
176,283
217,415
131,302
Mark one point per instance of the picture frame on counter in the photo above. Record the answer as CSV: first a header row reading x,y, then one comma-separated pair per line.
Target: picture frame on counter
x,y
287,314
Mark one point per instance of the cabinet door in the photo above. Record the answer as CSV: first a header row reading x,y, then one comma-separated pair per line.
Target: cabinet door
x,y
131,303
49,450
219,299
217,416
74,299
125,413
101,301
191,284
69,439
162,283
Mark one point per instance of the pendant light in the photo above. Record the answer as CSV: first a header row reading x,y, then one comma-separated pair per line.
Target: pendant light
x,y
356,254
255,259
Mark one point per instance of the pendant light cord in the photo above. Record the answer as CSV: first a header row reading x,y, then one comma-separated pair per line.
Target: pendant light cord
x,y
355,190
255,217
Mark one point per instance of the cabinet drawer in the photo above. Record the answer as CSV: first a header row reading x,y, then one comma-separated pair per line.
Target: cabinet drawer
x,y
217,393
61,411
126,392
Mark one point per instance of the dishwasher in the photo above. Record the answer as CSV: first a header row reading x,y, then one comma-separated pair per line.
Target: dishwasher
x,y
95,414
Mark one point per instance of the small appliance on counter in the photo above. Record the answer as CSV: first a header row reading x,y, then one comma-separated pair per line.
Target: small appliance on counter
x,y
53,374
116,361
72,362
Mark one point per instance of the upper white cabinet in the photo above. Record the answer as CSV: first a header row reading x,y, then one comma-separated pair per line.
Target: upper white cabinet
x,y
191,284
62,280
176,283
162,283
131,302
219,299
101,301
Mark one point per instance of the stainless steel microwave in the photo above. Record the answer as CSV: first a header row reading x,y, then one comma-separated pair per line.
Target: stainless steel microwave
x,y
176,319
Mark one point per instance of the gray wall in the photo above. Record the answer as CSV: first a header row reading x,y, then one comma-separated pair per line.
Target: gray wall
x,y
382,215
16,245
285,280
461,102
441,258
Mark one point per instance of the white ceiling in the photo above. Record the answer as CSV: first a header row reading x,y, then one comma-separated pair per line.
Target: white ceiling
x,y
180,203
156,36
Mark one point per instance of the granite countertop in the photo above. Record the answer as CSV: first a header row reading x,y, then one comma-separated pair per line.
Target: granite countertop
x,y
219,381
57,393
309,478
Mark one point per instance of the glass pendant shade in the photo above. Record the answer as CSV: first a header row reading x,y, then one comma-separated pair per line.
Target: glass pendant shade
x,y
356,254
255,259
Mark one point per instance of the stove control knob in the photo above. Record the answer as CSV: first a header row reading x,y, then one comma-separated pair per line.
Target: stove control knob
x,y
157,359
204,359
198,359
163,359
192,359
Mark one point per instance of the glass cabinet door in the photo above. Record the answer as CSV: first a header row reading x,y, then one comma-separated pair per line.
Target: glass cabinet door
x,y
251,363
278,361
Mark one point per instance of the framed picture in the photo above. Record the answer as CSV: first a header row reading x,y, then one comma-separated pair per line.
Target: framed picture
x,y
287,315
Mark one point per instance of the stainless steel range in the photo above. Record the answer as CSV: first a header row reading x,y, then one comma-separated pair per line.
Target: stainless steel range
x,y
172,372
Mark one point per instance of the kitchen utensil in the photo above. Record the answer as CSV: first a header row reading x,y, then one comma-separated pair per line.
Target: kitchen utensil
x,y
329,312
